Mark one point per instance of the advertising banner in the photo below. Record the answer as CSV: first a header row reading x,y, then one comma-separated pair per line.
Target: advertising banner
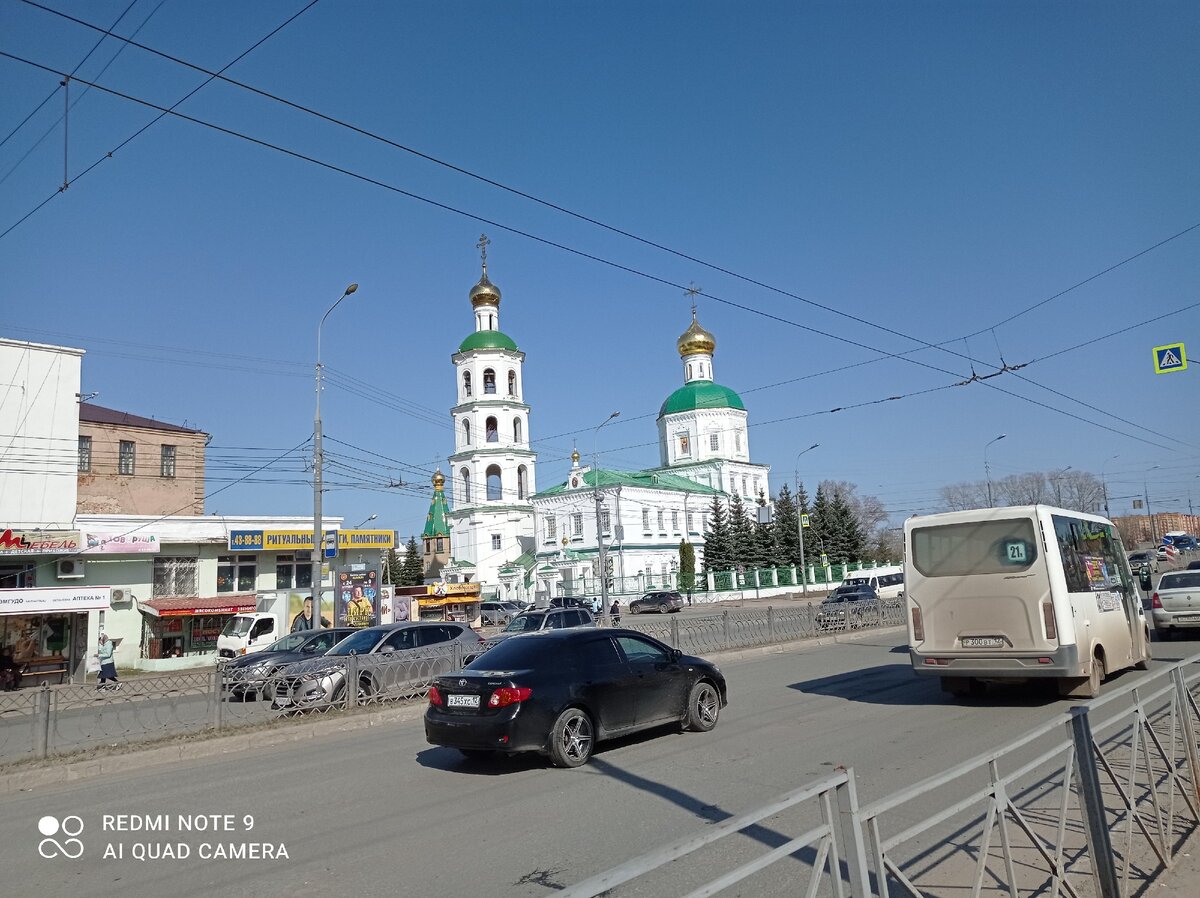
x,y
55,599
357,598
120,543
299,540
39,542
300,610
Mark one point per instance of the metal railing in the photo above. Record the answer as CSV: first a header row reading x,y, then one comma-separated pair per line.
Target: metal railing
x,y
1096,802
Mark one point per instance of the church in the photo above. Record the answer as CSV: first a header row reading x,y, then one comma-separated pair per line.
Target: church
x,y
521,544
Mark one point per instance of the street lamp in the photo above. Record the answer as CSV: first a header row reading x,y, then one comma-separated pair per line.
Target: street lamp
x,y
1146,496
800,521
367,521
318,551
1104,482
987,471
601,554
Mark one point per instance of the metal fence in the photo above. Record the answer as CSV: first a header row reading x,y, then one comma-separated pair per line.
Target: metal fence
x,y
1096,802
48,720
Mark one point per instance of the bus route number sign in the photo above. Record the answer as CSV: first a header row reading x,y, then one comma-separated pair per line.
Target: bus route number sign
x,y
1015,552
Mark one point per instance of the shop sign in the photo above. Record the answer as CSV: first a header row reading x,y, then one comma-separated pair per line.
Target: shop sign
x,y
55,599
299,540
39,542
453,589
366,539
120,543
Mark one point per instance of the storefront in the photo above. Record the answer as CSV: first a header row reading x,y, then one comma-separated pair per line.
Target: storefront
x,y
45,630
450,601
181,631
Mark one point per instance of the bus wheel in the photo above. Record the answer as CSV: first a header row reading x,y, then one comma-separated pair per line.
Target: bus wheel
x,y
1144,664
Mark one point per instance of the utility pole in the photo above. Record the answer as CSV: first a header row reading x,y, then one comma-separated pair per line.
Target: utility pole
x,y
800,521
1146,496
601,551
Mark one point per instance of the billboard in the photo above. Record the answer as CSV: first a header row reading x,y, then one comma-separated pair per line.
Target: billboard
x,y
356,599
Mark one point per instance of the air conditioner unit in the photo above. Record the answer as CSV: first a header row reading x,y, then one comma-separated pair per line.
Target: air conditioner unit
x,y
69,568
120,595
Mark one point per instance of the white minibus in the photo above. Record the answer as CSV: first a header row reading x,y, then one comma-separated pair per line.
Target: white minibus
x,y
888,582
1011,594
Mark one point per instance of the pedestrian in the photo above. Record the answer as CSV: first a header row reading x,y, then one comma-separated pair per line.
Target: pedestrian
x,y
596,606
615,611
10,670
108,668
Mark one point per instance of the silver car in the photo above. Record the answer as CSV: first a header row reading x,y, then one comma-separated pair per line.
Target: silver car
x,y
1175,605
391,661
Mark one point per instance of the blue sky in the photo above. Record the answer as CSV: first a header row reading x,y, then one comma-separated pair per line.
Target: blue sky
x,y
930,168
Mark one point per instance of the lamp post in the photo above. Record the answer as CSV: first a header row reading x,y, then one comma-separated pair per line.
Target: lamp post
x,y
367,521
318,468
987,471
601,554
800,521
1104,482
1146,496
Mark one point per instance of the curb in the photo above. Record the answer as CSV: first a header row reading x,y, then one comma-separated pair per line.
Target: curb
x,y
195,749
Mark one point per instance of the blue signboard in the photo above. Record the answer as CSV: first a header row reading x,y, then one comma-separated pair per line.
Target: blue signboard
x,y
246,540
1169,358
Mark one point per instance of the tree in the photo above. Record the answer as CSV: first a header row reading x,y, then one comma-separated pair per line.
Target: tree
x,y
845,532
741,534
787,534
412,571
687,566
391,566
717,555
818,536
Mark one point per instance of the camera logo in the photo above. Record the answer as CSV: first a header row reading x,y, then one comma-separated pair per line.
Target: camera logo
x,y
70,827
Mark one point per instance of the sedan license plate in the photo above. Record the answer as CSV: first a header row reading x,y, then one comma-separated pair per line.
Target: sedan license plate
x,y
1187,618
983,642
462,701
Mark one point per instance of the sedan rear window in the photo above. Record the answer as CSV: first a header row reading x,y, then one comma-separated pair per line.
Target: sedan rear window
x,y
521,654
1181,580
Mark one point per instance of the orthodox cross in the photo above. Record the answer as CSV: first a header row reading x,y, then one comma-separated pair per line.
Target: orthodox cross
x,y
482,246
690,293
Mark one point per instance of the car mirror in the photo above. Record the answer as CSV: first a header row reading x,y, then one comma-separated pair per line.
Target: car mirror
x,y
676,654
1145,581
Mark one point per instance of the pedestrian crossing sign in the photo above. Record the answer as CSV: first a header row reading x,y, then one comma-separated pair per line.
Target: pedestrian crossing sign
x,y
804,520
1169,358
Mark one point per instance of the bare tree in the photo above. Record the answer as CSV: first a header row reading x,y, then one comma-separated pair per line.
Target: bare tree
x,y
869,511
1077,490
961,496
1023,489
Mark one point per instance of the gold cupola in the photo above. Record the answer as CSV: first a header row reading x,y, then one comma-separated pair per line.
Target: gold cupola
x,y
485,293
695,340
439,480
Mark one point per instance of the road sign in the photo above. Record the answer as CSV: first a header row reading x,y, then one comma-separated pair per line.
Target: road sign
x,y
331,544
1137,503
804,521
1169,358
824,560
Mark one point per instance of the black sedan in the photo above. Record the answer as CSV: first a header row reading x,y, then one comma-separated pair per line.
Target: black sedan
x,y
558,692
247,676
662,602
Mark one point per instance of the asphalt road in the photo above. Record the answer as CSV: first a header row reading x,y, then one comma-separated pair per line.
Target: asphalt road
x,y
375,812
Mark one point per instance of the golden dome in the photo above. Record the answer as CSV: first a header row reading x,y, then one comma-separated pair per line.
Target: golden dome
x,y
575,457
439,479
696,340
485,293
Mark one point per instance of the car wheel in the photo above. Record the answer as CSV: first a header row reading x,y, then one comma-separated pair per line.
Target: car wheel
x,y
704,706
1144,664
571,739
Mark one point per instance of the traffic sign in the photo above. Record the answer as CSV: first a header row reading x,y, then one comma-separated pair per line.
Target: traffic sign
x,y
824,560
1169,358
804,521
331,544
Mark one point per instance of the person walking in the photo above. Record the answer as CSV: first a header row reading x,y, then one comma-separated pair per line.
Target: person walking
x,y
615,612
108,668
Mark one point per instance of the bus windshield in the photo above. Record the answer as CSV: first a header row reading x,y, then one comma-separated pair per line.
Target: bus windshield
x,y
975,547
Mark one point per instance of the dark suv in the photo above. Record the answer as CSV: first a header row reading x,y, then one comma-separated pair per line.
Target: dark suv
x,y
663,602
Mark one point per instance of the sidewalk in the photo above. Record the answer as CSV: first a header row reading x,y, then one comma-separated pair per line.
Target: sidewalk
x,y
1183,879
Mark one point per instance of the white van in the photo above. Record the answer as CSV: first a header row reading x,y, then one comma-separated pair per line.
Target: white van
x,y
888,582
998,594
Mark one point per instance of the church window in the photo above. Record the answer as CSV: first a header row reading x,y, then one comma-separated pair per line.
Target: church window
x,y
467,383
745,486
466,432
757,488
517,430
605,522
689,370
577,524
551,530
494,489
495,540
737,441
489,380
522,485
691,524
466,484
428,545
714,442
674,521
732,483
685,444
512,383
441,544
492,428
662,527
646,520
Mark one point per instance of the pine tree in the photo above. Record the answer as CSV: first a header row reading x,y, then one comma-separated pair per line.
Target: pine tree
x,y
687,566
817,539
787,535
741,534
717,555
391,567
764,550
843,533
412,571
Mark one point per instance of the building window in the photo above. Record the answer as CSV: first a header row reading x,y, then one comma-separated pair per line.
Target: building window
x,y
646,520
756,486
685,444
167,461
494,487
737,441
605,522
493,430
439,545
674,521
85,455
236,573
661,519
691,524
293,571
125,457
428,545
517,430
551,530
745,486
466,432
465,476
467,384
512,383
495,540
522,485
714,442
489,380
577,524
174,576
732,483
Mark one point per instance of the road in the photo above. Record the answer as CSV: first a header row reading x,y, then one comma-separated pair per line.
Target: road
x,y
375,812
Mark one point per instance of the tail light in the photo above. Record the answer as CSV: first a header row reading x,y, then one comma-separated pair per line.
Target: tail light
x,y
1156,602
1048,619
435,697
918,625
509,695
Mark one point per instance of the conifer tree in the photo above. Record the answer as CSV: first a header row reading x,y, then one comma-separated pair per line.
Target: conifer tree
x,y
716,541
412,571
787,523
687,566
817,540
765,550
391,567
741,534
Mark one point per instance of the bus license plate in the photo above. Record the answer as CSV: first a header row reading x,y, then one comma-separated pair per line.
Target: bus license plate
x,y
462,701
983,642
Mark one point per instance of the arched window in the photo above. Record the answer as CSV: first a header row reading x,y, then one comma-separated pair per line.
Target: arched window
x,y
494,490
466,431
516,430
512,383
427,545
466,383
689,370
493,435
489,380
522,487
465,474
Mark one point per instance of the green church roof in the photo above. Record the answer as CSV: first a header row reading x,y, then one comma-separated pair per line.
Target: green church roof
x,y
700,394
487,340
654,479
436,523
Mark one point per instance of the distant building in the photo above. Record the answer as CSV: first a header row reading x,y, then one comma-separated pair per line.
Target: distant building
x,y
436,535
138,466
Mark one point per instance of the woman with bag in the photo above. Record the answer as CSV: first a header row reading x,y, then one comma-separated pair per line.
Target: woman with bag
x,y
108,667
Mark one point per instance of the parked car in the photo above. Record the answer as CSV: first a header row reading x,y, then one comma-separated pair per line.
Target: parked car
x,y
545,619
1138,559
571,602
1175,605
1167,553
250,675
558,692
662,602
846,607
1193,566
497,614
392,658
